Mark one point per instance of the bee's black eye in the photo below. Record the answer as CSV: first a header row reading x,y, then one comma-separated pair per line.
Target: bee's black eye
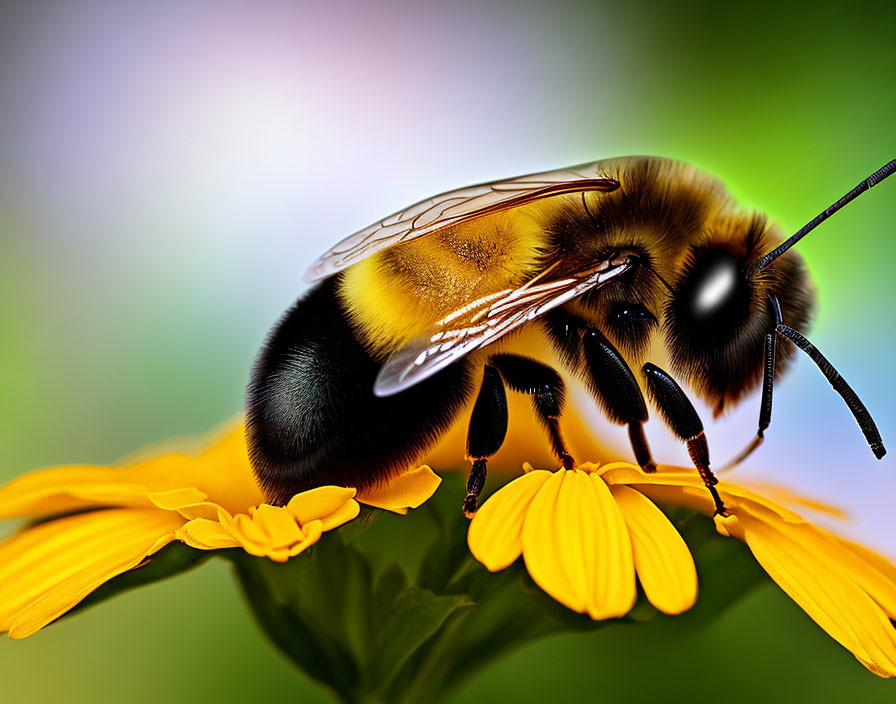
x,y
714,331
713,293
716,317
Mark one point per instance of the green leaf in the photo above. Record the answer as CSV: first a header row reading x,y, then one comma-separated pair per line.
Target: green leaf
x,y
504,617
302,641
414,618
327,586
396,538
390,586
316,609
446,556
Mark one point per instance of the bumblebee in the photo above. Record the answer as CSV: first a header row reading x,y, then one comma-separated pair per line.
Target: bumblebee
x,y
410,326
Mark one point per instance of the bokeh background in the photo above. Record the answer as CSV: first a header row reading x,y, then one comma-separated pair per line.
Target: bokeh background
x,y
168,170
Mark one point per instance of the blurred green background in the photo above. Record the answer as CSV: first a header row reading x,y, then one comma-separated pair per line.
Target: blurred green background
x,y
168,169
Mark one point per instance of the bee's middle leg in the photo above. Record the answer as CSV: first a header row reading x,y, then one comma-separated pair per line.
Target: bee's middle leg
x,y
488,423
607,377
616,390
547,391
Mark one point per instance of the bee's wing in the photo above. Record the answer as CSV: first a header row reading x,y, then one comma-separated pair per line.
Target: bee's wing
x,y
485,320
456,207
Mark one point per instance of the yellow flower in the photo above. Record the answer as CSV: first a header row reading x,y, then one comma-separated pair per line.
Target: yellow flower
x,y
584,533
100,522
847,589
583,540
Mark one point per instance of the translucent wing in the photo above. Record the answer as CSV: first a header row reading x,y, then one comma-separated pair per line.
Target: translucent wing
x,y
456,207
485,320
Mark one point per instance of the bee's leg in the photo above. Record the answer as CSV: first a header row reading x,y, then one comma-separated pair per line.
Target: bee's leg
x,y
548,393
488,428
768,382
681,416
616,390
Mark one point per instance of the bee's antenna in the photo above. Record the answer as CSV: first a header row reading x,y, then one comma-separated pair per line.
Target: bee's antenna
x,y
856,407
872,180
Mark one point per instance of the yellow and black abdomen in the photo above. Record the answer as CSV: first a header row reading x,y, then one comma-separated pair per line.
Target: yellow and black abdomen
x,y
312,417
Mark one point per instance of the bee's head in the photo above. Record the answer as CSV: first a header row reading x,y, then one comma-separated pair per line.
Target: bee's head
x,y
718,312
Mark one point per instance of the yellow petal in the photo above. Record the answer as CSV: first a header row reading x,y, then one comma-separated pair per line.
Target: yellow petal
x,y
544,561
576,545
247,531
848,590
662,559
189,503
66,596
280,552
276,553
312,531
345,513
575,506
832,600
46,570
205,509
862,573
879,563
237,526
173,499
160,542
272,531
615,588
785,495
67,489
729,525
280,527
685,488
222,471
318,503
494,535
864,568
408,490
205,534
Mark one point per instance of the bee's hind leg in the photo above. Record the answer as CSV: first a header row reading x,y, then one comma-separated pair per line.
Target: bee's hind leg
x,y
548,393
488,428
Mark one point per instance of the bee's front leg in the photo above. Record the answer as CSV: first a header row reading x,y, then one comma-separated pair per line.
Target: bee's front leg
x,y
681,417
